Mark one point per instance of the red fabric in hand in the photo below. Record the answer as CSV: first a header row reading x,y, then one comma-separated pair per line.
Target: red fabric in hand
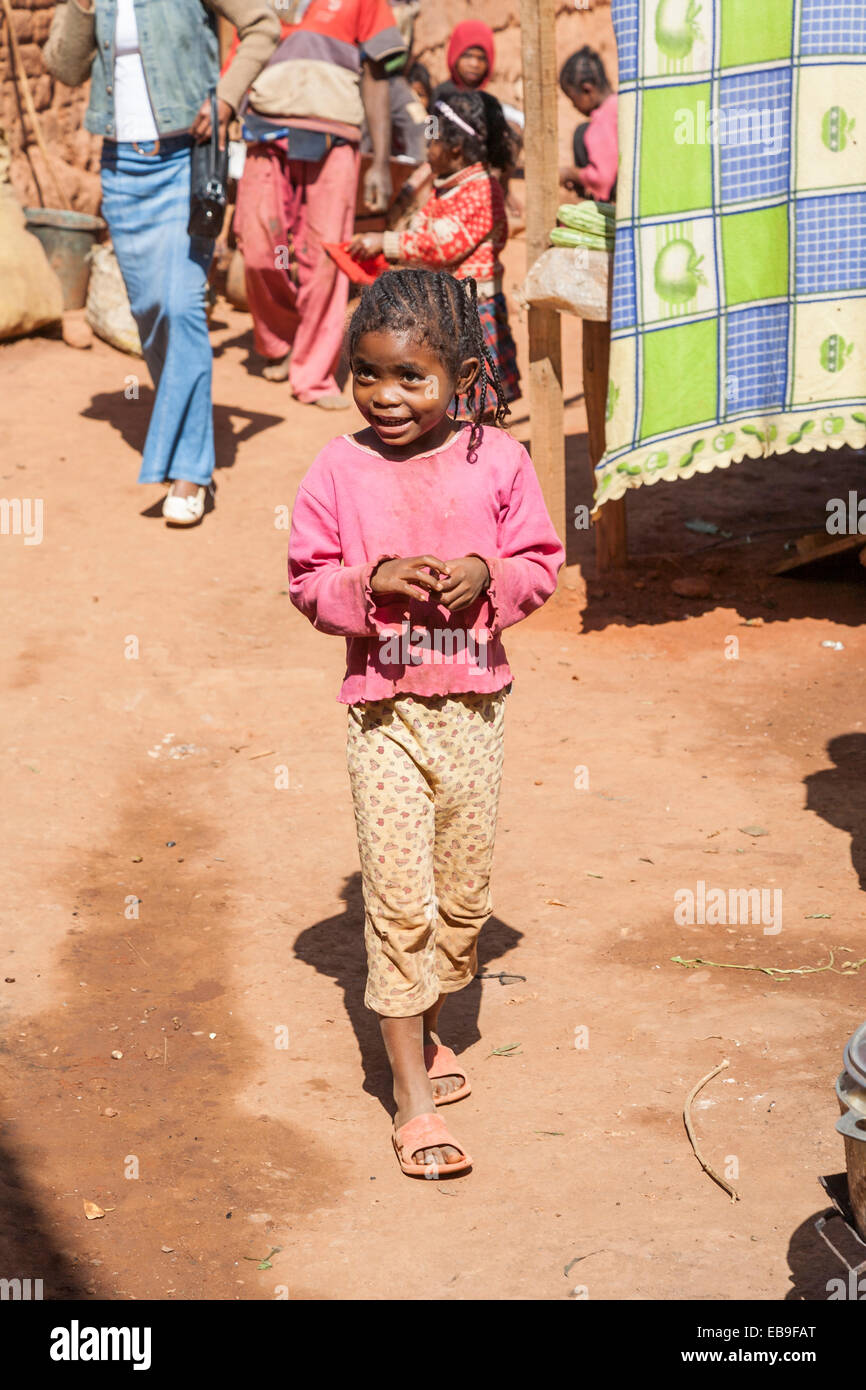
x,y
359,272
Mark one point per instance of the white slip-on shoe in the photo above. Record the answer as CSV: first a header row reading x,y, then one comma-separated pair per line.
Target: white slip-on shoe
x,y
184,511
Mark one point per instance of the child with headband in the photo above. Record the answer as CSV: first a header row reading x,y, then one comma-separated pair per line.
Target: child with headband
x,y
463,228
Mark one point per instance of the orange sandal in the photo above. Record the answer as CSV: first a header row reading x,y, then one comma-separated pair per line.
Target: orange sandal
x,y
426,1132
441,1061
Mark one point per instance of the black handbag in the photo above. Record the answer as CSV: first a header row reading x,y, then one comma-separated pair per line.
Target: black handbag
x,y
208,181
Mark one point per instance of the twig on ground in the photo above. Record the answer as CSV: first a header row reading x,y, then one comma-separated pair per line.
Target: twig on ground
x,y
687,1117
135,949
577,1259
780,972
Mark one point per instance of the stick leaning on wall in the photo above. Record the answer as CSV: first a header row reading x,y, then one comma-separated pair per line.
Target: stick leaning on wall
x,y
18,68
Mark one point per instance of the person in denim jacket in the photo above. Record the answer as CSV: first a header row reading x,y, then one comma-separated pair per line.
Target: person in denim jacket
x,y
152,65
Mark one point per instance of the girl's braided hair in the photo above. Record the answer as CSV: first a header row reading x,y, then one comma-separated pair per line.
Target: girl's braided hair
x,y
583,66
442,312
492,143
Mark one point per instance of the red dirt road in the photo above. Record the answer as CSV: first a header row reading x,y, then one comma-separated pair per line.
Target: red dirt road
x,y
159,688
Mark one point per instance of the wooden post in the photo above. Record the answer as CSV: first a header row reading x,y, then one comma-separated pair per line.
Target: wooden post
x,y
611,545
541,159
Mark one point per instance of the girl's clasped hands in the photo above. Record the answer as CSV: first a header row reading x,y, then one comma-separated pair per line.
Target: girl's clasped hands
x,y
455,583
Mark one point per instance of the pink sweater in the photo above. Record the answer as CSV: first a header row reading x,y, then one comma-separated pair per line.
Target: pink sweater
x,y
602,146
355,508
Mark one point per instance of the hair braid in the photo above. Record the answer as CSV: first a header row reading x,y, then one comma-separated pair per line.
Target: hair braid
x,y
489,374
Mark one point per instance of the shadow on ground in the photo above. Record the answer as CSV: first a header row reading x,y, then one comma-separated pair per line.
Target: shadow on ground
x,y
813,1265
335,947
126,1088
758,505
838,794
27,1249
130,418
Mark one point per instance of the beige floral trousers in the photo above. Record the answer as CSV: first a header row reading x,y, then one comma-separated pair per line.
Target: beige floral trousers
x,y
425,774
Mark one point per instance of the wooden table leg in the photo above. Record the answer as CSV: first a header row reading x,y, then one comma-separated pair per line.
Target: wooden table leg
x,y
611,540
541,157
546,410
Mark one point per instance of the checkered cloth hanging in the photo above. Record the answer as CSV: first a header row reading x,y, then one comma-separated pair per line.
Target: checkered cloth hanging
x,y
739,298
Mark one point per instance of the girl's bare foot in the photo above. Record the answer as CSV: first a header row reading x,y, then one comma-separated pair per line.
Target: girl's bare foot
x,y
413,1093
412,1103
442,1085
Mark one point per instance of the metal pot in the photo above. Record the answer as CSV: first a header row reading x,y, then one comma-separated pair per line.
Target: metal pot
x,y
851,1094
67,237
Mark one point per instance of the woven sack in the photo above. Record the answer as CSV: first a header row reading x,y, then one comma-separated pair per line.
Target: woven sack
x,y
108,311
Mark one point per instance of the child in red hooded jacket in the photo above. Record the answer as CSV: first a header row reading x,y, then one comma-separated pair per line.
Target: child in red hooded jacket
x,y
470,56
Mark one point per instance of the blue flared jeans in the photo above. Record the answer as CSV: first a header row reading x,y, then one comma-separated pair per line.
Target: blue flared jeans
x,y
145,201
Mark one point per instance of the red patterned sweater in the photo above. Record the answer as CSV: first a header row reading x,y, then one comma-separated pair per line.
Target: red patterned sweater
x,y
462,229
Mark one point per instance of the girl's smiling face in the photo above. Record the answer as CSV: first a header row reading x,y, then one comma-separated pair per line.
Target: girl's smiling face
x,y
403,389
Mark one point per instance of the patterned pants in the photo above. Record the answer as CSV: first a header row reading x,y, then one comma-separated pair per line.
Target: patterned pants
x,y
425,774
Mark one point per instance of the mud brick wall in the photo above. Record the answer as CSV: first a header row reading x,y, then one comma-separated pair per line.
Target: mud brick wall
x,y
590,23
60,110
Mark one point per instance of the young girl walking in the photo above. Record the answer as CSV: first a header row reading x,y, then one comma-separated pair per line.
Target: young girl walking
x,y
419,540
463,227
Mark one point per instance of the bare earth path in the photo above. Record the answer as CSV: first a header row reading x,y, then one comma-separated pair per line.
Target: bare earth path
x,y
172,747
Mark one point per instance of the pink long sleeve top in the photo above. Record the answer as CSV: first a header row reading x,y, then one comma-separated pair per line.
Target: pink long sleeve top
x,y
355,508
602,147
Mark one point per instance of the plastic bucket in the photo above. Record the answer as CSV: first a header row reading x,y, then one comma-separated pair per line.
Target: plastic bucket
x,y
67,238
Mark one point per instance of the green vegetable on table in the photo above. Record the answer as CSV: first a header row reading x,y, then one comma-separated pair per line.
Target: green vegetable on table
x,y
568,236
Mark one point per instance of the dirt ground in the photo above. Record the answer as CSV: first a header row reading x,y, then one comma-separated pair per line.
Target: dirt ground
x,y
160,694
